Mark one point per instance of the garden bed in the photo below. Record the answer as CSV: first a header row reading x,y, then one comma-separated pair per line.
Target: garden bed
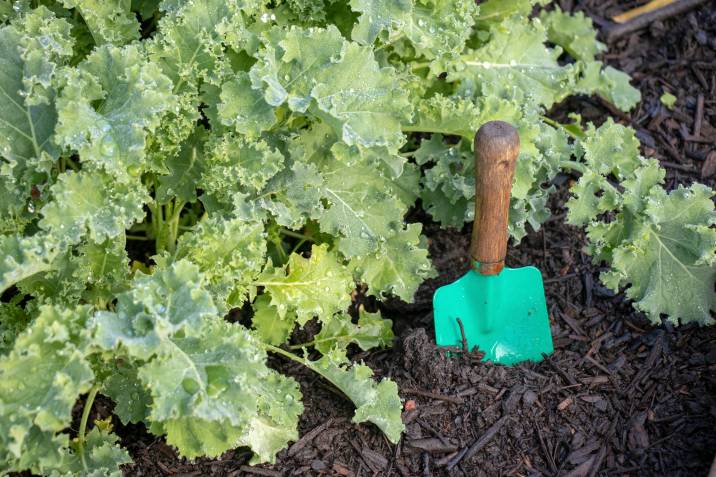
x,y
617,397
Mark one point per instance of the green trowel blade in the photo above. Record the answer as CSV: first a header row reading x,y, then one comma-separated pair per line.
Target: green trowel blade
x,y
504,315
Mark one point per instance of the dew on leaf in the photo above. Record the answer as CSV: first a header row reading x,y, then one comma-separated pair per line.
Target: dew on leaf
x,y
107,146
190,385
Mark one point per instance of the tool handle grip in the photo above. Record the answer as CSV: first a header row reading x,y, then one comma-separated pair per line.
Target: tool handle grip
x,y
497,146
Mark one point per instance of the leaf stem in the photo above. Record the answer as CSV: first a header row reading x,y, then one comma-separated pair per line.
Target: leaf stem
x,y
298,245
137,237
173,224
306,362
323,340
83,422
284,353
303,345
298,235
558,125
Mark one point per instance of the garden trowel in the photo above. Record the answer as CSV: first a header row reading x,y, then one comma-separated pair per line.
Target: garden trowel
x,y
500,310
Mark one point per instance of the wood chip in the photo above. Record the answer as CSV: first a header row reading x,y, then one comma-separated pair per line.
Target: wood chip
x,y
432,445
564,404
708,168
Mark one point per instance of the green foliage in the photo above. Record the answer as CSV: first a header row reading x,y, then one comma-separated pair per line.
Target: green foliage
x,y
370,332
574,33
34,412
375,402
662,245
258,159
307,287
109,21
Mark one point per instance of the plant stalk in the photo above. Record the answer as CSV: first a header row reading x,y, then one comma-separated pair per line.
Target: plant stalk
x,y
83,422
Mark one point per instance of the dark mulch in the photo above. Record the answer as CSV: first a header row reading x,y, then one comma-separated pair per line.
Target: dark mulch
x,y
618,396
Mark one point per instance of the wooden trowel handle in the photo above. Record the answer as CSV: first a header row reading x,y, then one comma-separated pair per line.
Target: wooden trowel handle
x,y
497,146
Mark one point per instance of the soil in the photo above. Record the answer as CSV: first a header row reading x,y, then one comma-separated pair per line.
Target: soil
x,y
619,396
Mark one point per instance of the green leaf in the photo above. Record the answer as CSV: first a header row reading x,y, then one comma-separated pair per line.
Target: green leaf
x,y
212,391
230,253
23,257
591,195
6,11
34,411
435,29
238,165
31,50
669,260
493,11
109,105
244,107
370,332
316,286
314,70
185,170
99,456
378,403
660,245
399,266
91,272
292,196
109,21
271,327
517,61
103,267
611,149
609,83
122,385
170,300
362,210
460,116
13,320
91,203
189,47
573,32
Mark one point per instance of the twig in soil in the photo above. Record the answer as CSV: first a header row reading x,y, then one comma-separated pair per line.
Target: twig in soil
x,y
616,31
648,364
260,471
547,281
462,333
312,434
582,469
440,397
559,370
430,428
468,452
598,462
699,116
545,449
426,464
678,167
433,445
597,364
